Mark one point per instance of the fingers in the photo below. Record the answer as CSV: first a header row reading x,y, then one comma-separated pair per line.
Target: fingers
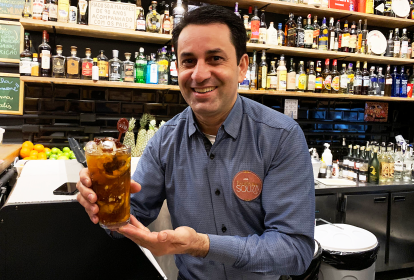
x,y
85,177
91,208
137,223
135,187
87,197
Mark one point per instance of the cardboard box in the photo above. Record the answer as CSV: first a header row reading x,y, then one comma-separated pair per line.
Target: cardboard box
x,y
339,4
376,112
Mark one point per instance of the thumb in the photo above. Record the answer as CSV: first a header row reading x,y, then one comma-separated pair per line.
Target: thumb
x,y
135,187
166,236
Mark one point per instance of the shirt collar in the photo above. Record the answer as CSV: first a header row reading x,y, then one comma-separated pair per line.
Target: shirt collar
x,y
231,125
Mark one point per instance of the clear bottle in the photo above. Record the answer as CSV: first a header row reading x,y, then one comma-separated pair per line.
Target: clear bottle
x,y
58,62
178,13
262,29
335,85
358,80
350,74
316,32
255,26
38,9
300,34
45,54
403,83
291,77
163,64
397,43
280,35
365,79
141,24
290,32
364,44
324,36
253,73
351,164
398,165
26,59
129,69
384,165
302,77
27,9
152,70
390,45
45,12
83,13
343,80
272,76
115,67
271,35
327,78
331,34
391,160
95,70
404,44
87,64
373,82
311,78
345,163
73,64
281,74
381,82
396,80
262,76
34,66
63,11
309,33
408,164
388,82
103,66
153,19
319,78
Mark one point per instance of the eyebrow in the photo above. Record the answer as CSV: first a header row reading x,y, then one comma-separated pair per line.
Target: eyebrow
x,y
209,52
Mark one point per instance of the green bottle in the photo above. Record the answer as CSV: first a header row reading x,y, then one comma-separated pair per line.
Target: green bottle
x,y
140,67
373,169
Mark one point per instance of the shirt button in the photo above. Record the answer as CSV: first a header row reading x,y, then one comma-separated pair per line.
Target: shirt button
x,y
211,156
224,229
217,192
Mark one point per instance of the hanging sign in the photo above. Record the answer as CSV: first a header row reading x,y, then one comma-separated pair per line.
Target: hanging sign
x,y
11,94
112,14
11,34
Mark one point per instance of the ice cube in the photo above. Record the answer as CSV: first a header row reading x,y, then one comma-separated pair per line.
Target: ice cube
x,y
108,146
91,147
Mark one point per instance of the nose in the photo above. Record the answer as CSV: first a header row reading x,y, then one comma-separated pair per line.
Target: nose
x,y
201,72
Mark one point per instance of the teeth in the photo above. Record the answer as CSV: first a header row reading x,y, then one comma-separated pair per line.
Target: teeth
x,y
204,90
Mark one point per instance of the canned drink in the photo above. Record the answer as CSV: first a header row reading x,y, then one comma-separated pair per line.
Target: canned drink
x,y
73,14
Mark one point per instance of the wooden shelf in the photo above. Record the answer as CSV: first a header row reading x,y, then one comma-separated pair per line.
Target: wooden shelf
x,y
89,83
94,31
281,7
293,51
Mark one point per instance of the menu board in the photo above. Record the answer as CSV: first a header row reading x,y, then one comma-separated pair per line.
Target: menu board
x,y
11,8
11,94
10,41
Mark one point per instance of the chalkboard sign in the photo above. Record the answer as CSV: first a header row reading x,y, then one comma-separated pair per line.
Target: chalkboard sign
x,y
11,34
11,8
11,94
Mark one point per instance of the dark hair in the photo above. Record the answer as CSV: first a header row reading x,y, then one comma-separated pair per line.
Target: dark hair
x,y
215,14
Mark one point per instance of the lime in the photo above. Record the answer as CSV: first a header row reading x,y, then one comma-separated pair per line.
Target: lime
x,y
66,149
53,157
48,153
62,158
72,156
55,150
66,154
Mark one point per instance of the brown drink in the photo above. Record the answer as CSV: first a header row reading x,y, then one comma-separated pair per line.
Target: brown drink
x,y
109,164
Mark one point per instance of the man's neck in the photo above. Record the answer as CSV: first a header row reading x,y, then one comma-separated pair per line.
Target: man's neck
x,y
210,125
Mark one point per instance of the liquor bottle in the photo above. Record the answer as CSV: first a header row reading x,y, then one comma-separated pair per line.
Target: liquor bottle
x,y
381,82
318,79
410,80
398,165
38,9
291,77
396,79
358,80
327,78
281,74
115,67
343,84
26,57
72,64
262,29
152,70
369,7
300,38
27,9
178,13
129,69
302,77
245,84
365,79
249,31
34,66
351,75
331,34
397,43
262,76
271,35
388,82
388,8
373,82
272,76
383,164
364,44
379,7
374,168
290,32
141,67
410,49
359,37
408,164
345,162
345,38
87,64
280,35
255,26
153,19
311,78
335,77
338,33
403,83
353,39
391,161
140,25
351,164
44,54
236,10
161,10
63,11
103,66
309,33
324,36
95,70
45,12
58,62
253,73
163,64
250,14
316,32
73,14
390,45
404,44
83,13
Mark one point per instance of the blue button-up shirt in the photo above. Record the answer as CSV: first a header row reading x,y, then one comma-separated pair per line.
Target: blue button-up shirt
x,y
264,238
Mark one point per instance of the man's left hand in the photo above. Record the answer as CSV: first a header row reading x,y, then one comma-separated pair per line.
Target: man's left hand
x,y
182,240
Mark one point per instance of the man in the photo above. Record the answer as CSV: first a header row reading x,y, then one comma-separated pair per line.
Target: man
x,y
237,175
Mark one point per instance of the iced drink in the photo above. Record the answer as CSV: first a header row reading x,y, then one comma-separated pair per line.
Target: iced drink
x,y
109,164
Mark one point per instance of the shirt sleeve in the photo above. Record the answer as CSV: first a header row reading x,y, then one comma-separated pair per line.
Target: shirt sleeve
x,y
146,204
286,246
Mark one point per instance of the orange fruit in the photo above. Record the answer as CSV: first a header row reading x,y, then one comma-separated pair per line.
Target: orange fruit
x,y
47,149
39,147
30,158
34,153
41,155
25,152
28,145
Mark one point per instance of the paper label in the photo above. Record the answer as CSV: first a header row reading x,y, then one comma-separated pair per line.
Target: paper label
x,y
45,56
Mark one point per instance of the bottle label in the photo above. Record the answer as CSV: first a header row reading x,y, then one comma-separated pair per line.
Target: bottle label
x,y
302,82
58,66
166,26
53,10
358,81
384,169
301,39
291,33
323,40
359,43
396,47
308,37
353,41
87,69
339,41
255,25
244,84
273,82
282,80
345,40
103,68
153,74
291,82
271,37
83,5
45,14
388,81
280,39
362,178
25,65
73,14
140,25
73,67
365,81
264,76
38,9
404,47
129,73
311,82
398,166
380,8
335,83
262,35
318,83
327,82
115,73
45,58
404,88
35,69
173,70
344,81
63,10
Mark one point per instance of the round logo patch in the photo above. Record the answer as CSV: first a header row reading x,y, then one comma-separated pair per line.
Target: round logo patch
x,y
247,185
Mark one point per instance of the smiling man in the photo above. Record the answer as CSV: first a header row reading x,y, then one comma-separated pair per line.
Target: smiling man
x,y
237,175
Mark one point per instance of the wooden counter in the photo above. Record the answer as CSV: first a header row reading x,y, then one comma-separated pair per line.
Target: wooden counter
x,y
8,152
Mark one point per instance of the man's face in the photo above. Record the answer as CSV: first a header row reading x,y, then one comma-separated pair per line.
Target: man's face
x,y
208,70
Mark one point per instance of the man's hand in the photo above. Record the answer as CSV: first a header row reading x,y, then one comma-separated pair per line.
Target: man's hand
x,y
87,197
182,240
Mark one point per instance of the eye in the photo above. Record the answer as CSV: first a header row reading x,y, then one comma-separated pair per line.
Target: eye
x,y
217,58
188,62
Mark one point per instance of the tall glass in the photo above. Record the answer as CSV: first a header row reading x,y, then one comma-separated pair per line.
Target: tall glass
x,y
109,164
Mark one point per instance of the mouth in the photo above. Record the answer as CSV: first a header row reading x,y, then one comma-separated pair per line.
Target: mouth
x,y
204,90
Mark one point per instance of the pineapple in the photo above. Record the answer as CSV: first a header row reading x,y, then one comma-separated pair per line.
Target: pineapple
x,y
151,130
158,127
129,139
141,137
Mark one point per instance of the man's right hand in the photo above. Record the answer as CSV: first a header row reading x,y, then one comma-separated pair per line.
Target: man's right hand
x,y
87,197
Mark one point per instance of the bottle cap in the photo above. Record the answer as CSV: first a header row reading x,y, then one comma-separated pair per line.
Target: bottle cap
x,y
115,53
95,59
279,25
141,49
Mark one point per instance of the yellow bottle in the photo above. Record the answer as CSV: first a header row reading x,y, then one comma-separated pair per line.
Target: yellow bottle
x,y
34,66
63,11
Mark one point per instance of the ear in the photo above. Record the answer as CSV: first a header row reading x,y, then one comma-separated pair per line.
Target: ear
x,y
243,66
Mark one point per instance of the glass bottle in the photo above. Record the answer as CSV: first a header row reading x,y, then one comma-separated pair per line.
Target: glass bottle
x,y
153,19
391,160
403,83
374,168
408,164
140,26
245,84
309,33
115,67
350,74
404,44
83,13
236,10
345,38
262,29
353,39
381,82
129,69
359,37
281,74
166,21
311,78
141,67
338,33
323,36
343,80
396,79
27,9
45,12
173,69
316,32
319,78
397,43
300,38
178,13
290,32
45,54
152,70
58,62
390,45
398,165
373,82
87,64
331,34
291,77
163,64
38,9
335,77
388,8
302,77
53,10
280,35
253,73
95,70
327,78
72,64
384,165
272,76
26,59
365,79
358,80
63,11
262,76
272,35
34,66
249,30
364,44
388,82
351,164
255,26
103,66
